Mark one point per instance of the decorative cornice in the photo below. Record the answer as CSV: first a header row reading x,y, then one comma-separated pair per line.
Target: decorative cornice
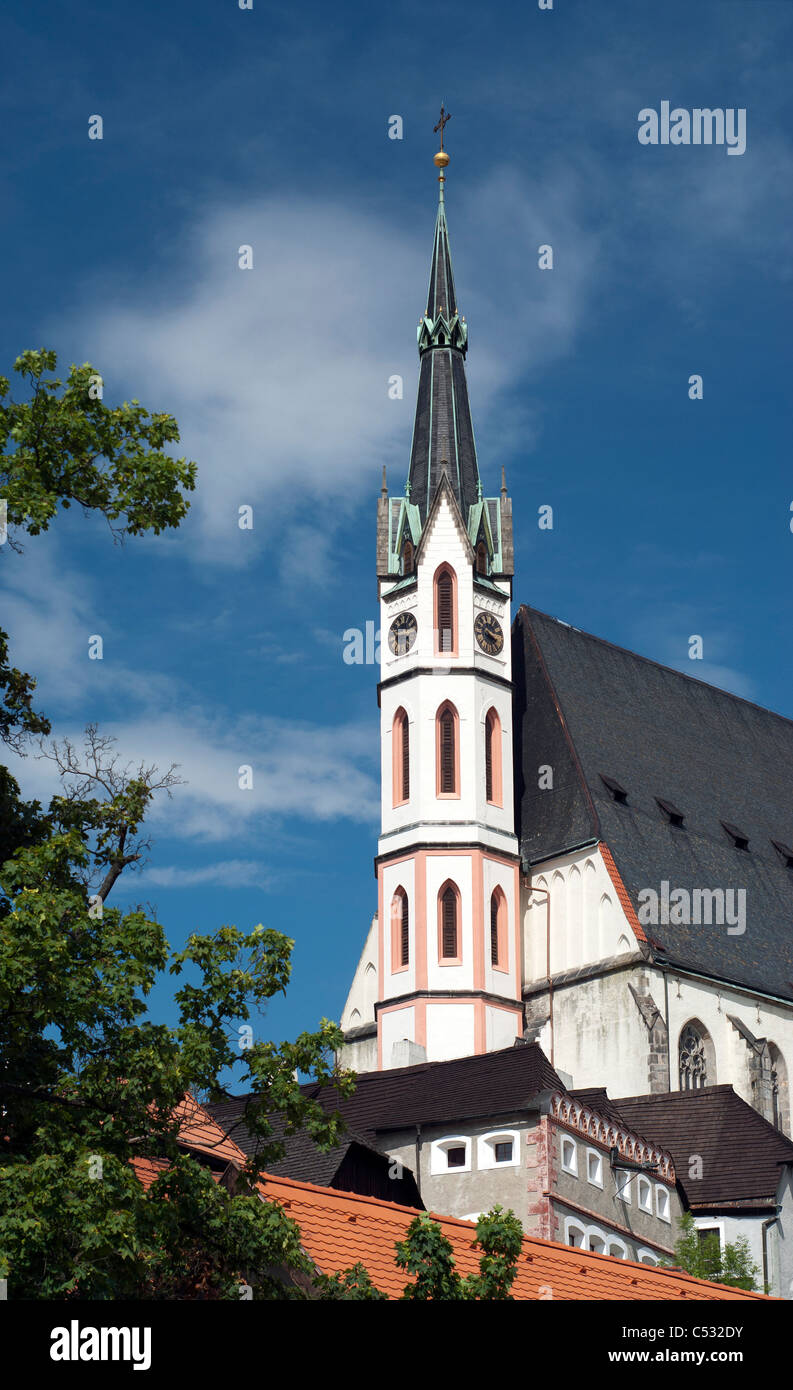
x,y
590,1125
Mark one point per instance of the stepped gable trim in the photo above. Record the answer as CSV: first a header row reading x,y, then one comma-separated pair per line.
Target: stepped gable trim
x,y
622,893
583,1120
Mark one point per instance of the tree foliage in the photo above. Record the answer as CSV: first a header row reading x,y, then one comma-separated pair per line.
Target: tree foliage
x,y
63,446
706,1259
427,1254
88,1081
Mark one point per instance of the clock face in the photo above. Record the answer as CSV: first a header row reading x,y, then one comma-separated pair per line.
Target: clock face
x,y
488,633
402,634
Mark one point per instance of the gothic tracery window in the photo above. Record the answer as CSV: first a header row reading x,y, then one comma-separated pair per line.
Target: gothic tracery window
x,y
693,1060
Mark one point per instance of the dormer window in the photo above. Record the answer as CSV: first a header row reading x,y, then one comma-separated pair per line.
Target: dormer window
x,y
785,852
674,816
618,792
739,839
481,558
407,558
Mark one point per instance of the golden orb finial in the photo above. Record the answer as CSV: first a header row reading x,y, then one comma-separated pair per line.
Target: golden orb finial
x,y
441,159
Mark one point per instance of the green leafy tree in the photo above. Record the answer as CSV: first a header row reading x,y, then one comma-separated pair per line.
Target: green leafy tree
x,y
705,1258
88,1081
427,1254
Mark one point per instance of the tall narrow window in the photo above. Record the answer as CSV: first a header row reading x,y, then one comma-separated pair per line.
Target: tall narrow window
x,y
445,615
696,1057
400,930
498,930
448,915
493,759
407,558
400,739
481,558
447,751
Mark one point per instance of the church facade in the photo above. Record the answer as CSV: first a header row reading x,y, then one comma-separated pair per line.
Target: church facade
x,y
579,847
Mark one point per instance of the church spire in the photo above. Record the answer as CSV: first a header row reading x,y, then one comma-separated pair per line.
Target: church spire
x,y
443,430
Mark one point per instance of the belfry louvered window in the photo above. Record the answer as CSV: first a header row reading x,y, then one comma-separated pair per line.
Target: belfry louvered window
x,y
401,759
400,930
444,611
489,759
449,925
494,930
447,752
493,793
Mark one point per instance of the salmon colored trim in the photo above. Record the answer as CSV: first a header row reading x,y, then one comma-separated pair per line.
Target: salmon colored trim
x,y
518,942
455,795
397,965
458,958
420,921
453,650
493,723
622,892
421,1023
478,914
380,964
480,1026
397,745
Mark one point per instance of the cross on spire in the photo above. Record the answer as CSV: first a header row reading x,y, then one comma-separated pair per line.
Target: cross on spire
x,y
442,122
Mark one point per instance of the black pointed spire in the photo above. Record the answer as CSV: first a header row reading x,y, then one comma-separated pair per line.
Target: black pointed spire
x,y
443,428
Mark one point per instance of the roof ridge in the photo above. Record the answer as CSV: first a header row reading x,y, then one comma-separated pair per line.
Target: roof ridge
x,y
627,651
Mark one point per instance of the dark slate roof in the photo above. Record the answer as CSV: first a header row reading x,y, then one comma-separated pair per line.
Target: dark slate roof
x,y
442,429
598,1098
467,1088
592,710
441,294
352,1165
741,1152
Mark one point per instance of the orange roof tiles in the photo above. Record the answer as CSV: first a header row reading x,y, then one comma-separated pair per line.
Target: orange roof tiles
x,y
199,1131
340,1229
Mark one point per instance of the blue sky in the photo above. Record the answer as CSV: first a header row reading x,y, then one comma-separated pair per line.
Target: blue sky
x,y
269,127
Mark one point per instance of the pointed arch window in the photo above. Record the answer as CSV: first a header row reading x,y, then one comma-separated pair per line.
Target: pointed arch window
x,y
400,931
447,742
481,558
445,611
493,783
400,747
498,930
407,558
449,925
696,1057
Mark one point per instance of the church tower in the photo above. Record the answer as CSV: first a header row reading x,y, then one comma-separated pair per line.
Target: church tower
x,y
446,940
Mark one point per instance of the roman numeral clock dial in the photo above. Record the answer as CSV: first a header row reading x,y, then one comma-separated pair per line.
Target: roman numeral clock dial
x,y
489,635
402,633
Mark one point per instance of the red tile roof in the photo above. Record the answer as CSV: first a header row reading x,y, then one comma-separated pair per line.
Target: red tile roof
x,y
340,1229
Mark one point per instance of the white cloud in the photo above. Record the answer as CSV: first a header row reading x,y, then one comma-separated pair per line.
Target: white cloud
x,y
278,375
299,770
229,873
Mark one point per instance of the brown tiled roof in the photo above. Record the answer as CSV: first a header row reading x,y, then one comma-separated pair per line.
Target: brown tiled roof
x,y
340,1229
466,1088
741,1152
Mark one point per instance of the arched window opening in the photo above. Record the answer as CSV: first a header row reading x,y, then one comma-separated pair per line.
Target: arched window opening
x,y
481,558
401,757
400,930
493,792
449,923
445,615
696,1057
498,930
447,752
407,558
